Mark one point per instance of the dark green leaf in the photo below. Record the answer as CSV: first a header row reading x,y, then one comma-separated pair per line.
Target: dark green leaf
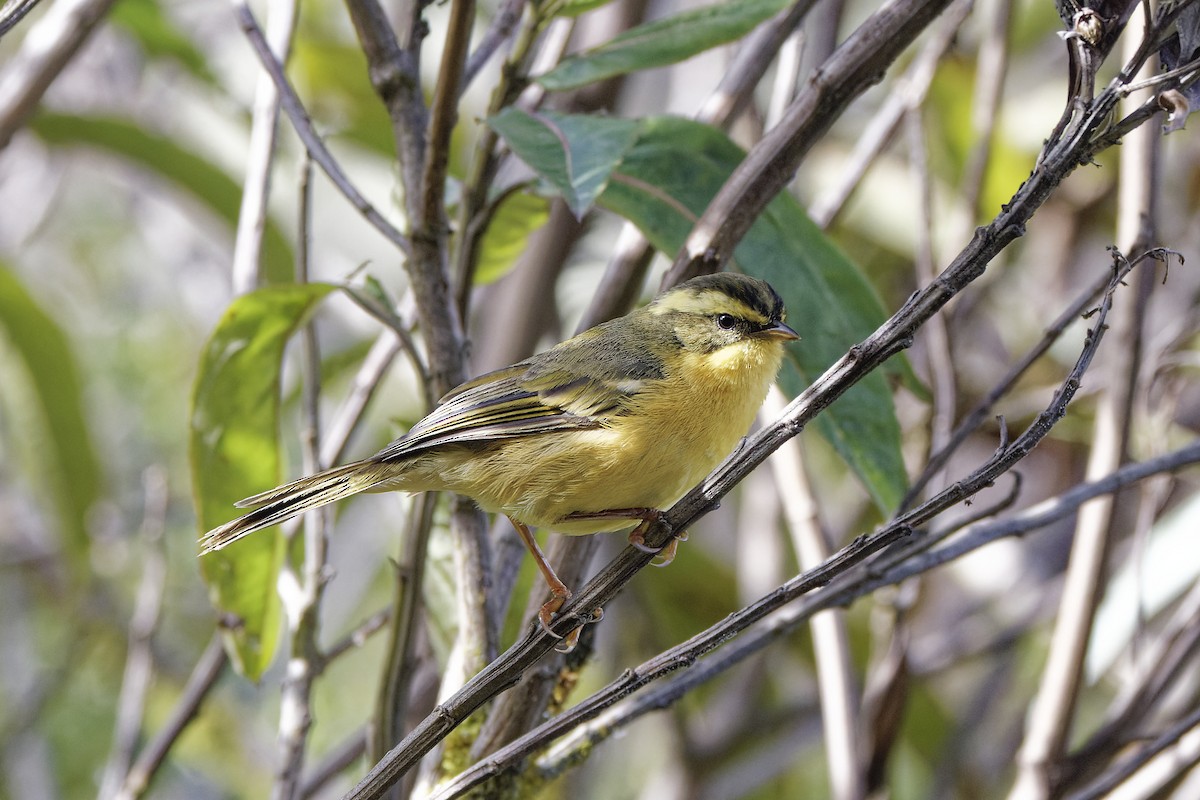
x,y
663,185
662,42
235,453
181,167
575,154
69,460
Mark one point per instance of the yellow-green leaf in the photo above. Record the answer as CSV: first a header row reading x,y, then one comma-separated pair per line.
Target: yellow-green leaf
x,y
235,453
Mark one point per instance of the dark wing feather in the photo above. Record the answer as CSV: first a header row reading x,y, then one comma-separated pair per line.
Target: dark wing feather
x,y
549,392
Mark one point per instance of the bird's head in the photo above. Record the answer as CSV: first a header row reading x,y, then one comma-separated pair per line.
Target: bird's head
x,y
714,312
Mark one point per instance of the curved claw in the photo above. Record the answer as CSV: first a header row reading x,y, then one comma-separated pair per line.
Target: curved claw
x,y
568,643
640,543
547,611
666,553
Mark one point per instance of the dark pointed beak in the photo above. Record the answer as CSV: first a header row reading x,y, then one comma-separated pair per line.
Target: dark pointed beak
x,y
777,330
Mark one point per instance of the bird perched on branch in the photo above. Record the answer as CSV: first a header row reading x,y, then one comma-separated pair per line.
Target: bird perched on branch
x,y
596,434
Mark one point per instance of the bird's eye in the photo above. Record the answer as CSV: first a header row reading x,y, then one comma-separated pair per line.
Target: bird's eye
x,y
726,321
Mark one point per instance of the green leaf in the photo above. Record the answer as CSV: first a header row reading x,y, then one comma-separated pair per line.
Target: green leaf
x,y
235,453
519,215
574,153
179,166
159,37
573,8
69,460
662,42
664,184
333,76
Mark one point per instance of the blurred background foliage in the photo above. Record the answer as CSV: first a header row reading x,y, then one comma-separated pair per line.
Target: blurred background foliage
x,y
118,206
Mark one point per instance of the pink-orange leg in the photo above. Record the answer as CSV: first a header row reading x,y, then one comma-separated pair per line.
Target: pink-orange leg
x,y
558,590
637,537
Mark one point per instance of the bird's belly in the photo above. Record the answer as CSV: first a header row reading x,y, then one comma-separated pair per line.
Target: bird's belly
x,y
643,461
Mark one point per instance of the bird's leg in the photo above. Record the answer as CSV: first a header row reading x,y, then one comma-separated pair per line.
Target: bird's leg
x,y
637,537
558,589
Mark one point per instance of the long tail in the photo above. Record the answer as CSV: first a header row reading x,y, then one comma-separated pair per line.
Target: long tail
x,y
284,502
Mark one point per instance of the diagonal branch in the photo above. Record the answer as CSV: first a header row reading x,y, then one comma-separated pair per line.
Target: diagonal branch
x,y
770,165
308,135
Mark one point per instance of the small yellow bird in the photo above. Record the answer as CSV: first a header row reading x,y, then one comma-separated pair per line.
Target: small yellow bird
x,y
596,434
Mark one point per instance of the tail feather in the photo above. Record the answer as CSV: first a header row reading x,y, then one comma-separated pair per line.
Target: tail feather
x,y
284,502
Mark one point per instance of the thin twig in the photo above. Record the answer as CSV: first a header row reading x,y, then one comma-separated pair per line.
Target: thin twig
x,y
1117,775
475,210
770,165
1053,707
341,758
13,11
357,637
504,21
260,160
301,589
204,677
139,662
939,358
304,129
392,703
910,90
976,416
989,86
48,47
831,643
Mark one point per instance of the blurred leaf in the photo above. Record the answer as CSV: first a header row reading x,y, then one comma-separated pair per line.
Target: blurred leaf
x,y
663,185
662,42
69,461
159,37
575,153
573,8
167,159
235,453
338,91
508,232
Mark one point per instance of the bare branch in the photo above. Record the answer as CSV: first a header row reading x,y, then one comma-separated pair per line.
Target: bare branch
x,y
203,678
301,589
831,645
256,188
910,90
503,23
46,50
770,165
1053,707
308,135
139,662
13,11
1117,775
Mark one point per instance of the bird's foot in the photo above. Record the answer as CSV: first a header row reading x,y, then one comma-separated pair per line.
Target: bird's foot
x,y
666,553
546,617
